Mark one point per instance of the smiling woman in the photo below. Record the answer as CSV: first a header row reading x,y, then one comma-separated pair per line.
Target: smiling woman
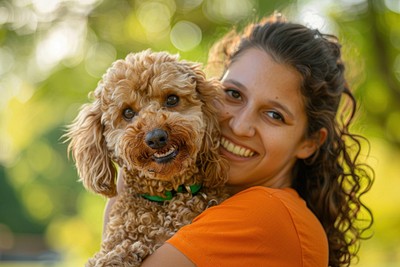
x,y
264,114
296,184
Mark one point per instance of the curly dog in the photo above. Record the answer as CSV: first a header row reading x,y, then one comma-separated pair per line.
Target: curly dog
x,y
153,117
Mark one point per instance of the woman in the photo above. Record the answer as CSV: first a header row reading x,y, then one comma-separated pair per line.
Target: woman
x,y
293,161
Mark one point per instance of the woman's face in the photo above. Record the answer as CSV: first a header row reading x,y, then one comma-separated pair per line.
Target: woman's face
x,y
263,121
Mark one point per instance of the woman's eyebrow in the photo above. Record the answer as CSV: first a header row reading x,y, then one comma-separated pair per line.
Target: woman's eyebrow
x,y
236,83
283,107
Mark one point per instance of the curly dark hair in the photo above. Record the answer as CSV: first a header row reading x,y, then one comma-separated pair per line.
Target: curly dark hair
x,y
332,180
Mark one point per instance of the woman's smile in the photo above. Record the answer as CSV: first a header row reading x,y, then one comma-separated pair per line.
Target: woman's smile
x,y
236,149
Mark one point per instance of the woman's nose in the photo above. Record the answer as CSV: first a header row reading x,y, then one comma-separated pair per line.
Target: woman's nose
x,y
242,124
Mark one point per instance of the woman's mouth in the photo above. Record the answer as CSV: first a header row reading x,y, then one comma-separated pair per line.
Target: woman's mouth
x,y
235,149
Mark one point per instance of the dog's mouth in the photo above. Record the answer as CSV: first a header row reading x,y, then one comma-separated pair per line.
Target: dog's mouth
x,y
162,157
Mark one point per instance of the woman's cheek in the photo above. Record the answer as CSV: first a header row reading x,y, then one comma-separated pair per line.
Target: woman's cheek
x,y
221,108
223,114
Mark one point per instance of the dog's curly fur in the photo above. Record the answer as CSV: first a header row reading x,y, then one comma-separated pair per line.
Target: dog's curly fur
x,y
154,117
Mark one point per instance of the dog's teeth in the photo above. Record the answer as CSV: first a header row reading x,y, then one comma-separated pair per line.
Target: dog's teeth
x,y
161,155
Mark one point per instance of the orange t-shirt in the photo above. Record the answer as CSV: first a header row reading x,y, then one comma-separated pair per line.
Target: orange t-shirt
x,y
257,227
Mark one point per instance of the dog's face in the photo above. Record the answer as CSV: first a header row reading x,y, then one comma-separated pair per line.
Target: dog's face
x,y
152,114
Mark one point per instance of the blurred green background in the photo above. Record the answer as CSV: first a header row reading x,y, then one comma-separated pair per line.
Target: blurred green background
x,y
53,52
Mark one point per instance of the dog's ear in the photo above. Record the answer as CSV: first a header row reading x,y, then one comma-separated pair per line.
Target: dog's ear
x,y
89,150
214,167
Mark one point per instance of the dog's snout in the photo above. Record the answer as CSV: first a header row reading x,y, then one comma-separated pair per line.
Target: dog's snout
x,y
156,139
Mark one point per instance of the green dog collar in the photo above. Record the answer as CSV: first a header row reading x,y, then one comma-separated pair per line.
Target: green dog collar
x,y
170,194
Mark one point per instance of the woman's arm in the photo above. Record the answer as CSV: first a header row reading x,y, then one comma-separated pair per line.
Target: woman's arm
x,y
167,256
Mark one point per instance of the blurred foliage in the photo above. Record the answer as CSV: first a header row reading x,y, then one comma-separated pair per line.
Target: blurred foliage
x,y
53,52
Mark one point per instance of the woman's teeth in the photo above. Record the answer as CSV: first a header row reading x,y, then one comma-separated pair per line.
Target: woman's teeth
x,y
234,149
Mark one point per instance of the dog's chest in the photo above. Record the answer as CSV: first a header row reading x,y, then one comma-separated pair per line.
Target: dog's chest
x,y
144,215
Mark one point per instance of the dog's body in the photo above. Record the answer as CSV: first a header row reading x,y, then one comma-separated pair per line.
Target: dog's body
x,y
138,226
154,117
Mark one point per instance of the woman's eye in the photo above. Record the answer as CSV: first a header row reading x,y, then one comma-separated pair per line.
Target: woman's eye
x,y
233,93
275,115
172,101
128,114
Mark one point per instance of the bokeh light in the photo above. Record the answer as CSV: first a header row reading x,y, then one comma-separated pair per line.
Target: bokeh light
x,y
63,41
393,5
99,58
228,10
187,5
185,35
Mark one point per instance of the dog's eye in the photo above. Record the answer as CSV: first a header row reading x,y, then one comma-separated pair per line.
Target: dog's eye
x,y
172,101
128,113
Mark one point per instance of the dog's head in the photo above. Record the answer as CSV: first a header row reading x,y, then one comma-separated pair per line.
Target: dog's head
x,y
153,115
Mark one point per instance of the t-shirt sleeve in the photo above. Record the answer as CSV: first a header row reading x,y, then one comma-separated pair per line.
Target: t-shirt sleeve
x,y
252,228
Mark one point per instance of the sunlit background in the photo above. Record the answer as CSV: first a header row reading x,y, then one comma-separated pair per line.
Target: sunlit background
x,y
53,52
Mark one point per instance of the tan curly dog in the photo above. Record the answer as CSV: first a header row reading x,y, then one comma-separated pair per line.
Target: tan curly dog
x,y
153,118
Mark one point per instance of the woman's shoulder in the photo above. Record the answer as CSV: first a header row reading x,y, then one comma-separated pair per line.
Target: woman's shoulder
x,y
285,219
258,206
262,191
271,207
260,198
269,224
268,191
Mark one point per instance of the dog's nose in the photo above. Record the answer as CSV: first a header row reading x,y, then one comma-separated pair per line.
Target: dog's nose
x,y
156,139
